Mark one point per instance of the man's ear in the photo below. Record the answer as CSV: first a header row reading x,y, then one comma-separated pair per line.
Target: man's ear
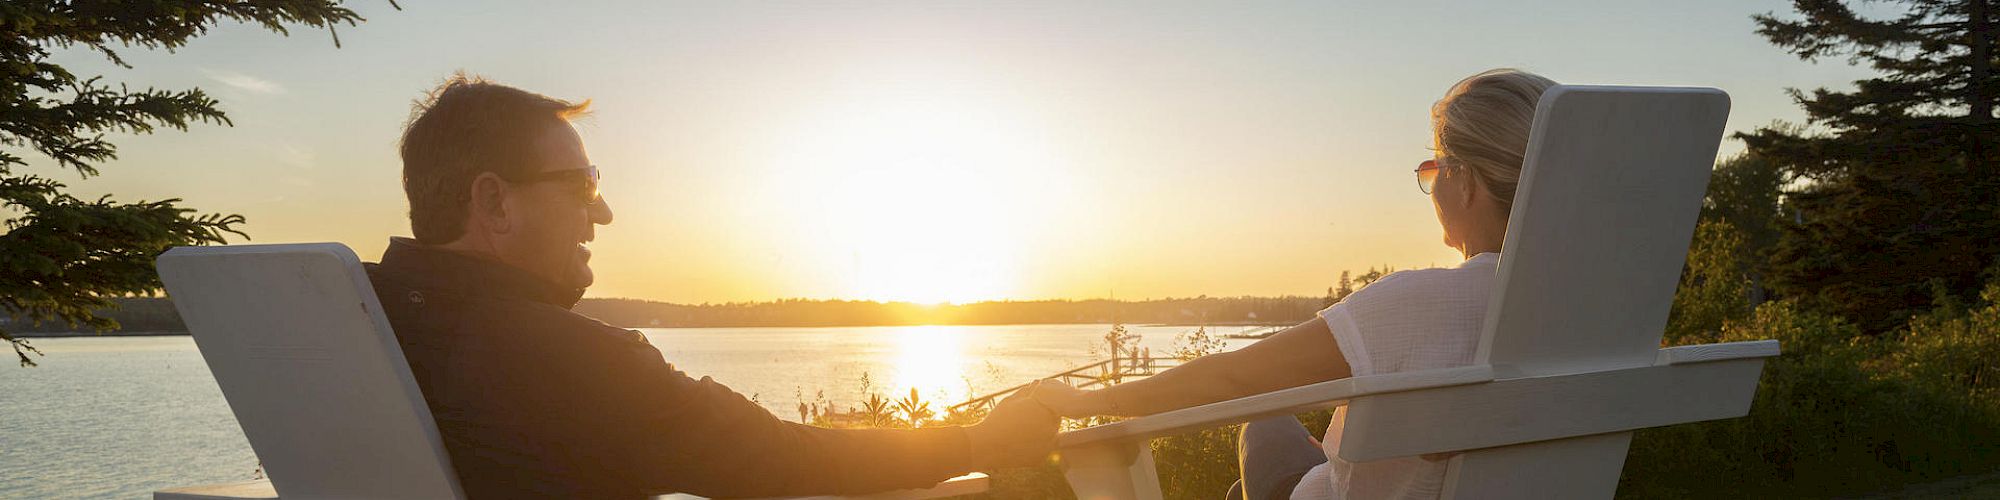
x,y
488,208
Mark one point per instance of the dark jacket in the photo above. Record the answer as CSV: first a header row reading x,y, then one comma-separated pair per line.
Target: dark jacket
x,y
533,400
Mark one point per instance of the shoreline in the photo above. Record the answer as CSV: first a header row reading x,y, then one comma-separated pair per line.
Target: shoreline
x,y
54,335
183,333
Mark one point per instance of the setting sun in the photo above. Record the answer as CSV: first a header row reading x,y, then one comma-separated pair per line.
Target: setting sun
x,y
918,192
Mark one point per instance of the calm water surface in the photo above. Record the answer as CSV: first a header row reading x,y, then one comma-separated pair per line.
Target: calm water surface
x,y
119,417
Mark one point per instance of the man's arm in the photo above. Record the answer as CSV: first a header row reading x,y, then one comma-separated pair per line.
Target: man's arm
x,y
675,433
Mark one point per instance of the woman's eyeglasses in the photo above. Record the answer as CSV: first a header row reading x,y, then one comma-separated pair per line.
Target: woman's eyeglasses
x,y
1427,175
586,190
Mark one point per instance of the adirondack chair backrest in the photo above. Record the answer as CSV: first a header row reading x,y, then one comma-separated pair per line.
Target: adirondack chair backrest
x,y
1609,192
298,343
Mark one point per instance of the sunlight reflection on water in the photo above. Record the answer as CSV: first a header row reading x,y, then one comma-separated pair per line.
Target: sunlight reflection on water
x,y
931,360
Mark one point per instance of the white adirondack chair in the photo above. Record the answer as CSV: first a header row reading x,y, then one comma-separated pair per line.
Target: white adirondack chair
x,y
1570,360
299,345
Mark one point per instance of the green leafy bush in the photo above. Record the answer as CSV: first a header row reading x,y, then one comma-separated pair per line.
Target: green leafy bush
x,y
1716,287
1839,413
1956,348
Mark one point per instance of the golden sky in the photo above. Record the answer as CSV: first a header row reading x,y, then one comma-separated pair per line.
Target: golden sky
x,y
929,151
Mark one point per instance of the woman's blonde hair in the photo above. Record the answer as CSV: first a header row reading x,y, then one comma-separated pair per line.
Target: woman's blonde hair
x,y
1482,125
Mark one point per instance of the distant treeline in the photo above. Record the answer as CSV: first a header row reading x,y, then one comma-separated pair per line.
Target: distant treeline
x,y
798,312
157,315
134,315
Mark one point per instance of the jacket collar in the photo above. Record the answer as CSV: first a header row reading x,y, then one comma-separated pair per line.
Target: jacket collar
x,y
426,266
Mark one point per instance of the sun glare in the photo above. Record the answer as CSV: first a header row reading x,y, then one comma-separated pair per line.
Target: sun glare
x,y
917,194
929,359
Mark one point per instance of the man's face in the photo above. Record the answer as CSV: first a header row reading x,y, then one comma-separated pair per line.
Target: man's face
x,y
555,218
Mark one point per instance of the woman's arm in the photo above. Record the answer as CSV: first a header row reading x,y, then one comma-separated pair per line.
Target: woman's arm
x,y
1299,355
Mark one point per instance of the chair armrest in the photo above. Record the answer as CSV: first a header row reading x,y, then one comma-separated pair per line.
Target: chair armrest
x,y
246,490
1284,402
1336,392
1717,352
969,484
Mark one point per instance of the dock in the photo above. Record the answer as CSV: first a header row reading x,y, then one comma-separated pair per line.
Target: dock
x,y
1101,373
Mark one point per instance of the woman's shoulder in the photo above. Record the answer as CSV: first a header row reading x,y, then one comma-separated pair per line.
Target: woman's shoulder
x,y
1417,284
1409,280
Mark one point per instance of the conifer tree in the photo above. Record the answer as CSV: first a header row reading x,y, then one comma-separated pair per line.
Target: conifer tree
x,y
63,258
1893,182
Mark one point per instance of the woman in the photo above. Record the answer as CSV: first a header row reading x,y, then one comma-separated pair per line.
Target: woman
x,y
1411,320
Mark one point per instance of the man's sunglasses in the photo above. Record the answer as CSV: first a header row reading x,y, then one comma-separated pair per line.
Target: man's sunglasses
x,y
586,190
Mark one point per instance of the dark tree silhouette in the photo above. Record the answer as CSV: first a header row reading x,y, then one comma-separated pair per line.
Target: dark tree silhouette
x,y
63,258
1892,183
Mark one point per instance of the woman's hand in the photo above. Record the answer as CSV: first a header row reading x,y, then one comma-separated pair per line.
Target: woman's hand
x,y
1018,432
1070,401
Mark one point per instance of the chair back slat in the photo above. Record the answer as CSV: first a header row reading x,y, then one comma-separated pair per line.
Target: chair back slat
x,y
1609,192
299,345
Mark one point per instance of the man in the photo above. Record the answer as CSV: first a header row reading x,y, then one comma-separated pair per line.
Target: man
x,y
533,400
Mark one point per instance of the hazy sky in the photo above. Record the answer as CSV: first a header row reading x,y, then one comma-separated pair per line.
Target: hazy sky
x,y
930,150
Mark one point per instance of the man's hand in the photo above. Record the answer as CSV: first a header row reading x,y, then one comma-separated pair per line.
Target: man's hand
x,y
1018,433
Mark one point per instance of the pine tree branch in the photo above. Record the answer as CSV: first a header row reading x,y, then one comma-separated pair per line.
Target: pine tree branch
x,y
21,348
64,259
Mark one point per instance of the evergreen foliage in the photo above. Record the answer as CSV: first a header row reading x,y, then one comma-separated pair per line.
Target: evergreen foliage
x,y
64,259
1894,181
1744,192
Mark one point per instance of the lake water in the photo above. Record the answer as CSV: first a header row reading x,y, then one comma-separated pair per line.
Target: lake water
x,y
119,417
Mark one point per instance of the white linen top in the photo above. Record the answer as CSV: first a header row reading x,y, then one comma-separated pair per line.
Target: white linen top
x,y
1422,319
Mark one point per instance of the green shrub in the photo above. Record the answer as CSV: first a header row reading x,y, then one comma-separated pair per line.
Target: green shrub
x,y
1955,348
1838,413
1714,290
1197,465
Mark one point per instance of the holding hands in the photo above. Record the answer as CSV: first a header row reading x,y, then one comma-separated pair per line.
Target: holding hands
x,y
1021,430
1070,401
1018,432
